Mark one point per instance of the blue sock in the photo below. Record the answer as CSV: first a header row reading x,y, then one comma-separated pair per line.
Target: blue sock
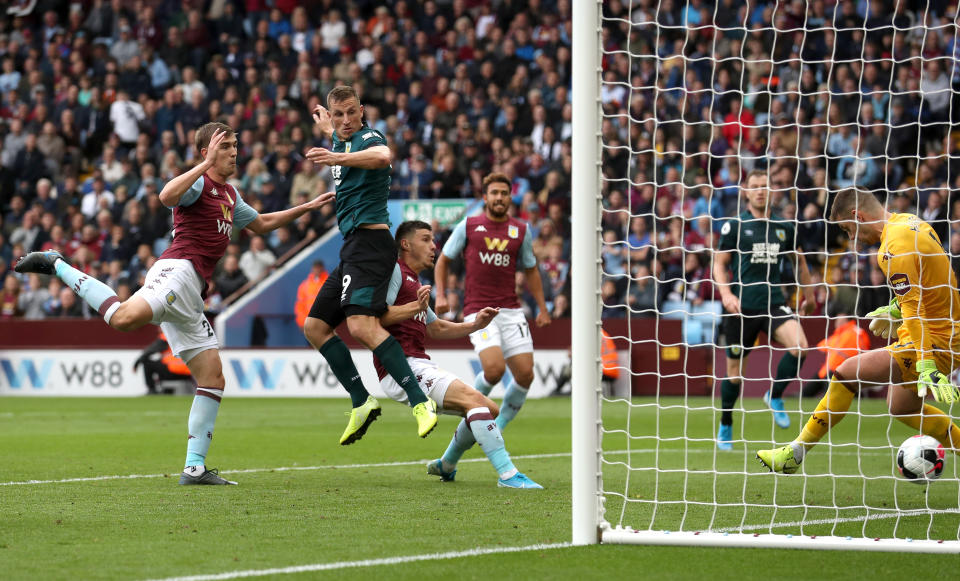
x,y
463,439
487,434
512,402
481,385
92,291
203,415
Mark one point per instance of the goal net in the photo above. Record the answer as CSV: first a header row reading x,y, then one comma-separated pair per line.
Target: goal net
x,y
675,104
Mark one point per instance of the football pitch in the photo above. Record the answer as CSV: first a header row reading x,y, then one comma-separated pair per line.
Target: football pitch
x,y
88,490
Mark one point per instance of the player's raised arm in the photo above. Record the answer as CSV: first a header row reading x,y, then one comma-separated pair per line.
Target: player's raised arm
x,y
172,192
268,222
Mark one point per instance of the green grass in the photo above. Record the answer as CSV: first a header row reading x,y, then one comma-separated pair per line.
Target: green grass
x,y
334,512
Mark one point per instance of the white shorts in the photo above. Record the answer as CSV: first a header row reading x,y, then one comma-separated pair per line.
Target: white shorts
x,y
508,330
172,289
433,381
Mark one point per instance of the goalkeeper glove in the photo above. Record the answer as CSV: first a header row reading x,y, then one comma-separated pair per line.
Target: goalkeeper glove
x,y
938,383
886,320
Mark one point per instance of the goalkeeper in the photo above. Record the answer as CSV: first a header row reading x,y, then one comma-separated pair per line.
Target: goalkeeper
x,y
923,318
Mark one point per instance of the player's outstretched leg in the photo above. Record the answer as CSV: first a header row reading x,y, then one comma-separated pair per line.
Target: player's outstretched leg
x,y
831,409
99,296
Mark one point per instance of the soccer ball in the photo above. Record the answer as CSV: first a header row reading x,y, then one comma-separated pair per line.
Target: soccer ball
x,y
920,459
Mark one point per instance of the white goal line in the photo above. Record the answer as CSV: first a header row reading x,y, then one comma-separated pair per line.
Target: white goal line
x,y
367,562
276,469
368,465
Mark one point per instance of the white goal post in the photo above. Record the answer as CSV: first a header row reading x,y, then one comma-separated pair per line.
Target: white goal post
x,y
635,480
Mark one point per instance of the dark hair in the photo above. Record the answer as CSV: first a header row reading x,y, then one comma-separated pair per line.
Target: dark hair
x,y
202,138
756,172
405,229
342,93
495,178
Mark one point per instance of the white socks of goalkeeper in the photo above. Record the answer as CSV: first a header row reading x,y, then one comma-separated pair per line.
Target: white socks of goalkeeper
x,y
203,416
479,427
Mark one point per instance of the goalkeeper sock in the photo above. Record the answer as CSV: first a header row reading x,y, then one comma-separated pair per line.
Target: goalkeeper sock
x,y
391,355
729,392
341,364
203,415
830,410
462,440
96,294
787,370
512,402
487,434
481,385
933,422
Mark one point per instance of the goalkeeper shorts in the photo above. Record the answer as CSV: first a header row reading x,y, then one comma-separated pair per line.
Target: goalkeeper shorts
x,y
905,355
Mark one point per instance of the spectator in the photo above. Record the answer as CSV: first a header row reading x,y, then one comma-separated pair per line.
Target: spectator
x,y
126,116
231,278
33,298
67,305
307,291
10,297
98,198
257,260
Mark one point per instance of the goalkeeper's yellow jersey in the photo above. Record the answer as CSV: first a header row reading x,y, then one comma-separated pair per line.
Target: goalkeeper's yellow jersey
x,y
918,270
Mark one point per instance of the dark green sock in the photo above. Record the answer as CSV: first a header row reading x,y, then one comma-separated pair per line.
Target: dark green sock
x,y
341,363
787,370
390,354
729,392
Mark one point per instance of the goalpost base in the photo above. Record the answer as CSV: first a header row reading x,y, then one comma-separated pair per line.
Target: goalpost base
x,y
627,536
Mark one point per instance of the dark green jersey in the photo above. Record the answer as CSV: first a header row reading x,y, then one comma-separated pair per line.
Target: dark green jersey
x,y
361,193
760,246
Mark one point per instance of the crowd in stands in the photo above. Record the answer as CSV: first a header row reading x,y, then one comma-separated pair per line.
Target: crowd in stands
x,y
99,100
823,95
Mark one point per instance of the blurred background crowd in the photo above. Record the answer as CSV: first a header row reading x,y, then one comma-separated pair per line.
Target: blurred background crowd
x,y
99,100
823,95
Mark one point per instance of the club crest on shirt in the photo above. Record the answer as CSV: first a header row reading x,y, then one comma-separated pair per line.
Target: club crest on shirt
x,y
171,297
900,283
513,232
782,234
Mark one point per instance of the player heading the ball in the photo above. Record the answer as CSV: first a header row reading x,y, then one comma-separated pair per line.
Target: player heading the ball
x,y
357,289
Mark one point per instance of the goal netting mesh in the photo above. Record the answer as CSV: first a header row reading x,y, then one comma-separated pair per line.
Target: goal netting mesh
x,y
821,96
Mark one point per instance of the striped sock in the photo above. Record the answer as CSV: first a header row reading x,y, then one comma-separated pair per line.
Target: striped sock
x,y
96,294
488,435
203,415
